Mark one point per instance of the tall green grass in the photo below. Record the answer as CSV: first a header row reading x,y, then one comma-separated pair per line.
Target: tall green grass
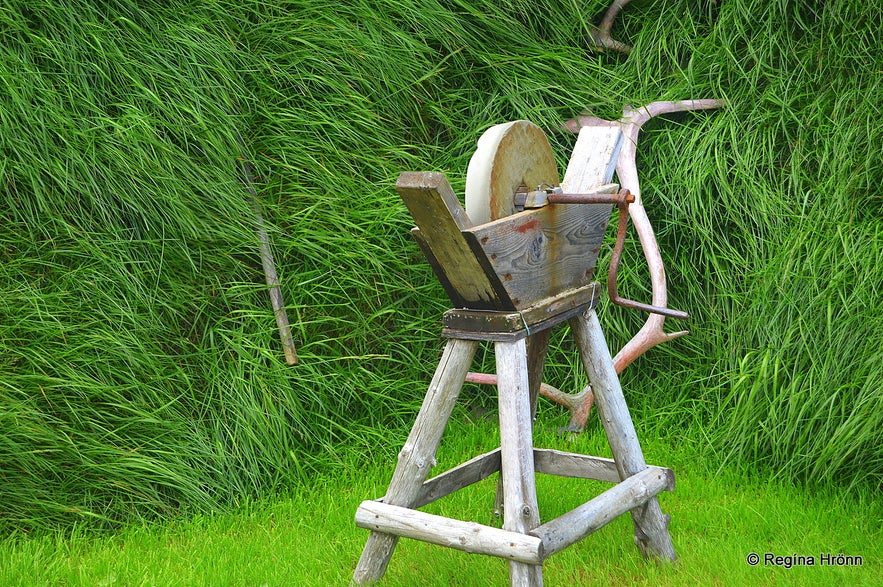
x,y
140,373
791,236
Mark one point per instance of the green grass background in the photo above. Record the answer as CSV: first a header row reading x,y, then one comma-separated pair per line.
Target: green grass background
x,y
307,537
140,370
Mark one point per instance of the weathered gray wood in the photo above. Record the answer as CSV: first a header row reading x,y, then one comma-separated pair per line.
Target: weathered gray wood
x,y
440,218
472,471
564,530
517,260
592,160
466,536
417,457
608,394
537,350
456,299
540,253
568,464
509,326
269,265
514,278
651,526
520,511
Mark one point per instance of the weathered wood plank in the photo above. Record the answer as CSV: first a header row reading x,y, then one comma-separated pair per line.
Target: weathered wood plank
x,y
593,159
417,457
564,530
537,350
568,464
520,511
651,526
472,471
440,218
456,299
543,252
508,326
466,536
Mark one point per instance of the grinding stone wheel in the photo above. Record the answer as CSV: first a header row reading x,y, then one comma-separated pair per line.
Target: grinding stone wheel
x,y
507,156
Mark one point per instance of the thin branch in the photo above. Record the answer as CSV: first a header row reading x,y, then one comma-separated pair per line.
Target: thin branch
x,y
269,265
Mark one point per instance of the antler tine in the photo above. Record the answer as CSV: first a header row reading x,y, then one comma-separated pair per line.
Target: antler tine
x,y
632,120
601,35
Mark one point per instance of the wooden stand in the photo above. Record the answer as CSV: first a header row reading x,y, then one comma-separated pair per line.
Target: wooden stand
x,y
512,279
523,540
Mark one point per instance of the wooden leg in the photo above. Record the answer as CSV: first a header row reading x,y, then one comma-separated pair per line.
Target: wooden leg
x,y
651,526
537,349
520,512
418,455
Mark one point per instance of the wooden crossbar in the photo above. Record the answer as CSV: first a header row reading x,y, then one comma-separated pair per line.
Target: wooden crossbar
x,y
546,461
539,543
466,536
568,464
575,525
472,471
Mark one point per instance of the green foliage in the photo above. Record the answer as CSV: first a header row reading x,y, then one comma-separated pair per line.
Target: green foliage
x,y
307,537
140,370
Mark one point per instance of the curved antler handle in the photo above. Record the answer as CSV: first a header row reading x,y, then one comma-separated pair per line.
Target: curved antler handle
x,y
624,198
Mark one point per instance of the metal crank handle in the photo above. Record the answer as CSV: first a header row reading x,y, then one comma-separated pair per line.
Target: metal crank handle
x,y
624,198
525,199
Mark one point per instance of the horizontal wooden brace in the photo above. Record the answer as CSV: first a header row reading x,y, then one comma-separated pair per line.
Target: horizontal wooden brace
x,y
568,464
472,471
466,536
546,461
578,523
509,326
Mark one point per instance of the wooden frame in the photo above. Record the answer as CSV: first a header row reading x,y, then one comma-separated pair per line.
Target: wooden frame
x,y
512,280
524,541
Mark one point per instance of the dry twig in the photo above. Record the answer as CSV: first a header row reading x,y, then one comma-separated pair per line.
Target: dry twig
x,y
269,266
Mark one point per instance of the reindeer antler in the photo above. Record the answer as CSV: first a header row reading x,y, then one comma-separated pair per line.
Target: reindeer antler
x,y
631,122
601,35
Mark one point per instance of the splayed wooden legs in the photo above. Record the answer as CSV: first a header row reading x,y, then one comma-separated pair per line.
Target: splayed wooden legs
x,y
523,541
418,455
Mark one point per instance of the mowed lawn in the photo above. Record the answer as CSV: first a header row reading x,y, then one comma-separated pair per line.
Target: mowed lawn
x,y
718,520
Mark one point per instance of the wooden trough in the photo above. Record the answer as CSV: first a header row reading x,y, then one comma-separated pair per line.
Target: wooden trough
x,y
512,278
